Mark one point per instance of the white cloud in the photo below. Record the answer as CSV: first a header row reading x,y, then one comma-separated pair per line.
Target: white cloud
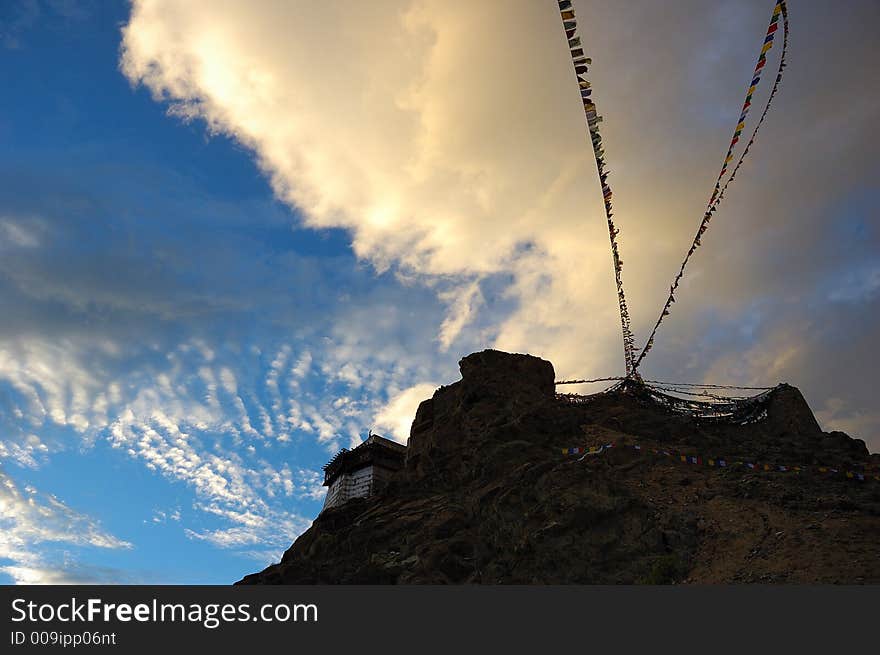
x,y
445,182
29,520
397,415
453,152
301,369
68,573
463,304
274,530
20,233
310,484
25,452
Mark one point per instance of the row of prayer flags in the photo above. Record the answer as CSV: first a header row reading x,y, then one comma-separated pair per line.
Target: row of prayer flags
x,y
780,10
581,65
756,78
721,462
586,450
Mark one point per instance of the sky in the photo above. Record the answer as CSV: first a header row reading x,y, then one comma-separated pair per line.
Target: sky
x,y
235,237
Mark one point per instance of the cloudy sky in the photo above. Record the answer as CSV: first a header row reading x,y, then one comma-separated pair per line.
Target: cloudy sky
x,y
235,236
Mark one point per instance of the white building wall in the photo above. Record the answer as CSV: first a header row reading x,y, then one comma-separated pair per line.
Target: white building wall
x,y
348,486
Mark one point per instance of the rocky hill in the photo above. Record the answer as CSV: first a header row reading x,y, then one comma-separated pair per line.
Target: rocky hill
x,y
487,496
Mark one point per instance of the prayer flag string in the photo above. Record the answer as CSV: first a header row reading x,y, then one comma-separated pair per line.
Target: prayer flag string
x,y
779,10
867,472
581,66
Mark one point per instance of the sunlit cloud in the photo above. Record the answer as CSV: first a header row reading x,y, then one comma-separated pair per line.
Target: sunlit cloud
x,y
455,152
397,415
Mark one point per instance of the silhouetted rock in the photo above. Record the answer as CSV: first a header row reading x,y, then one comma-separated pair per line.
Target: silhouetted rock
x,y
486,495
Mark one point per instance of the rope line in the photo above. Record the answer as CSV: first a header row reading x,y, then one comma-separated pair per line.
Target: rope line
x,y
670,384
702,394
709,386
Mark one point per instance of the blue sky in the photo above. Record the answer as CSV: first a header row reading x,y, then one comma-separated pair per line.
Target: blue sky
x,y
154,238
229,247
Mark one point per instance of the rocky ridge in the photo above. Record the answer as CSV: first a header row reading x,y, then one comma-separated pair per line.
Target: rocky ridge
x,y
486,495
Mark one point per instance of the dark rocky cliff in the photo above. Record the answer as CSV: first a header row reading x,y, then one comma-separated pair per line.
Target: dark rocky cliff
x,y
487,496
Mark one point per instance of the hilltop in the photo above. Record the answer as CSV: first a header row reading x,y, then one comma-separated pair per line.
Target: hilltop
x,y
487,496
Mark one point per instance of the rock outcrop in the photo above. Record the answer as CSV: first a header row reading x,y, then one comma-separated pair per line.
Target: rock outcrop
x,y
487,497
